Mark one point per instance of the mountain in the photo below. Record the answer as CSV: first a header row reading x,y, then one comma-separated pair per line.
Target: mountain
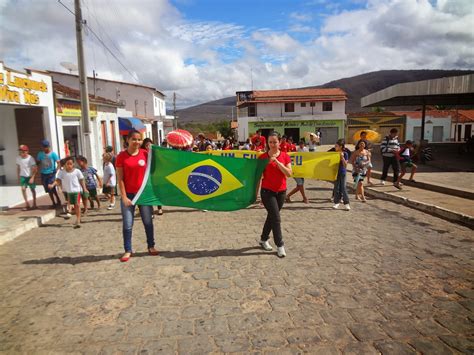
x,y
356,87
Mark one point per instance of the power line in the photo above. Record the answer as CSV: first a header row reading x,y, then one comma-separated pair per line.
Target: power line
x,y
67,8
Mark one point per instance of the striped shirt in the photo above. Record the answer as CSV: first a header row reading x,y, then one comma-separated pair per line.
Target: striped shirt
x,y
389,146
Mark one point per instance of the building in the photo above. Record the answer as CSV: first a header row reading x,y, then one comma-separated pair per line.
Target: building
x,y
294,113
381,122
27,117
437,125
104,124
139,101
461,125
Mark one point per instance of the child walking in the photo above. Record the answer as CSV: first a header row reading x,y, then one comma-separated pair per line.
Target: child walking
x,y
26,168
92,179
110,180
72,182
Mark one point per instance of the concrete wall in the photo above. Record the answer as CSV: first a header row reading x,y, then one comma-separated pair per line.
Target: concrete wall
x,y
444,122
278,109
141,101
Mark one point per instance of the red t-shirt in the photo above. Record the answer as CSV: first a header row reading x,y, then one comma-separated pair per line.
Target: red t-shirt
x,y
134,167
263,141
273,177
285,147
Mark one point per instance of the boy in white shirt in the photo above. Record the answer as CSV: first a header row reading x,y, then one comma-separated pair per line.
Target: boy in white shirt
x,y
26,170
109,180
72,182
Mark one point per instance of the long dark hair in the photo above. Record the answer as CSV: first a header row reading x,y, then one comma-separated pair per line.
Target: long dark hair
x,y
145,142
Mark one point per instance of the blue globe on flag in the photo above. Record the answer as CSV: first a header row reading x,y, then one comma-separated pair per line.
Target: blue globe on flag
x,y
204,180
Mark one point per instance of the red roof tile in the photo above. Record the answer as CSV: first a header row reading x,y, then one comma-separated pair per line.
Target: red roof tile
x,y
75,94
462,115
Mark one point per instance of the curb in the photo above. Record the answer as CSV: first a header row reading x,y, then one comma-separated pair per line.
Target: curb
x,y
431,187
23,225
434,210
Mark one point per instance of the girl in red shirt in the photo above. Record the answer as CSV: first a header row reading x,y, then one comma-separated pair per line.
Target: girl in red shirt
x,y
273,191
131,167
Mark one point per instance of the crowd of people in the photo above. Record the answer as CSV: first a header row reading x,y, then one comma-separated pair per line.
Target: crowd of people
x,y
125,172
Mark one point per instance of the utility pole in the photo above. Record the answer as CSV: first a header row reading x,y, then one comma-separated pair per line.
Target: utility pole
x,y
174,111
86,128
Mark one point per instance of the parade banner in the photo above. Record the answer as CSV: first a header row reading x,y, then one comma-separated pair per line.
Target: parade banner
x,y
314,165
186,179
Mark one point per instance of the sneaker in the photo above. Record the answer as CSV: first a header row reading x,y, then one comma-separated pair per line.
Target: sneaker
x,y
347,207
382,182
68,215
336,206
111,207
281,252
265,245
397,186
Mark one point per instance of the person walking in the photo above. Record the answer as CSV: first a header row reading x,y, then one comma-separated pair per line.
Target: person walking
x,y
389,148
273,190
299,181
93,181
131,167
368,146
26,169
49,163
360,161
340,189
72,183
406,161
109,180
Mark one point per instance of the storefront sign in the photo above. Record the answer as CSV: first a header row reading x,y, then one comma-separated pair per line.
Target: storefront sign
x,y
73,109
312,123
17,88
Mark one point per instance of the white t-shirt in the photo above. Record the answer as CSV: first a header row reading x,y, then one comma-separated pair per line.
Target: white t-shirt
x,y
109,173
70,181
406,153
301,150
25,165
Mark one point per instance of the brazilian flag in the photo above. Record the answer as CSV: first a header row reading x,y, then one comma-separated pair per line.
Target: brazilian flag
x,y
186,179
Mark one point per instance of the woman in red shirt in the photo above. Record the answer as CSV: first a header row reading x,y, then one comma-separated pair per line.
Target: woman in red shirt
x,y
273,191
131,167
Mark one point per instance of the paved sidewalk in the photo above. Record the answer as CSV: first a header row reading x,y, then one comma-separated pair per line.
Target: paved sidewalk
x,y
380,278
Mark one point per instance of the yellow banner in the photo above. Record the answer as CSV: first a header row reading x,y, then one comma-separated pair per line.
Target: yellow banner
x,y
314,165
73,109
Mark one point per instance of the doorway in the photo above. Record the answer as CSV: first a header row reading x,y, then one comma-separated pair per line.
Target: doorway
x,y
329,135
265,132
71,133
438,133
294,133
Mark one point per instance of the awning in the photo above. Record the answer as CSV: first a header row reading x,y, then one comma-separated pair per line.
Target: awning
x,y
127,124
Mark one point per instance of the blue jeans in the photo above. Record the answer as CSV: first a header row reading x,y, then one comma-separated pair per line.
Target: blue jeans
x,y
128,216
340,189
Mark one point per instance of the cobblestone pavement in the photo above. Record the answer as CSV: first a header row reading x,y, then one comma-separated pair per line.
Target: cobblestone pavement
x,y
380,278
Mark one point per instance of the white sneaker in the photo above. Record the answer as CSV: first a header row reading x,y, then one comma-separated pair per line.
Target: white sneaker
x,y
281,252
68,215
382,182
111,207
347,207
336,206
265,245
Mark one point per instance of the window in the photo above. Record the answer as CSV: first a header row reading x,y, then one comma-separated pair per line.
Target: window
x,y
312,104
252,110
303,104
290,107
327,106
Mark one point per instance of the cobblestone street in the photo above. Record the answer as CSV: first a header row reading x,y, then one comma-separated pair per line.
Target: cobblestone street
x,y
381,278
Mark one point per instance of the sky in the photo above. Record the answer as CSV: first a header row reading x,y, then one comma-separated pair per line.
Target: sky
x,y
208,49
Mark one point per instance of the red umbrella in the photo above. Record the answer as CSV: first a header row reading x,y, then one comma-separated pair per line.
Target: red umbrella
x,y
179,138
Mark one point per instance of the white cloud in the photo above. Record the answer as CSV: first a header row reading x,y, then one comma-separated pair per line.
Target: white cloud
x,y
204,61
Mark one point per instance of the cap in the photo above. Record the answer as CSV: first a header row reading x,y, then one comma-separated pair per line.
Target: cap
x,y
24,148
45,143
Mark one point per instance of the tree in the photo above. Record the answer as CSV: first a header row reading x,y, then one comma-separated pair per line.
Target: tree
x,y
224,128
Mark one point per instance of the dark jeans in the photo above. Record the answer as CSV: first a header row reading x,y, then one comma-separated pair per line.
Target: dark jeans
x,y
340,189
393,161
128,216
273,202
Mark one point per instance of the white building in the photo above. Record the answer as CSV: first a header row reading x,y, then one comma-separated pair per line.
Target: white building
x,y
461,125
104,124
26,117
294,113
143,102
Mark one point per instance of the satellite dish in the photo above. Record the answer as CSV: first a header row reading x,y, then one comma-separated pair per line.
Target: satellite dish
x,y
69,66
